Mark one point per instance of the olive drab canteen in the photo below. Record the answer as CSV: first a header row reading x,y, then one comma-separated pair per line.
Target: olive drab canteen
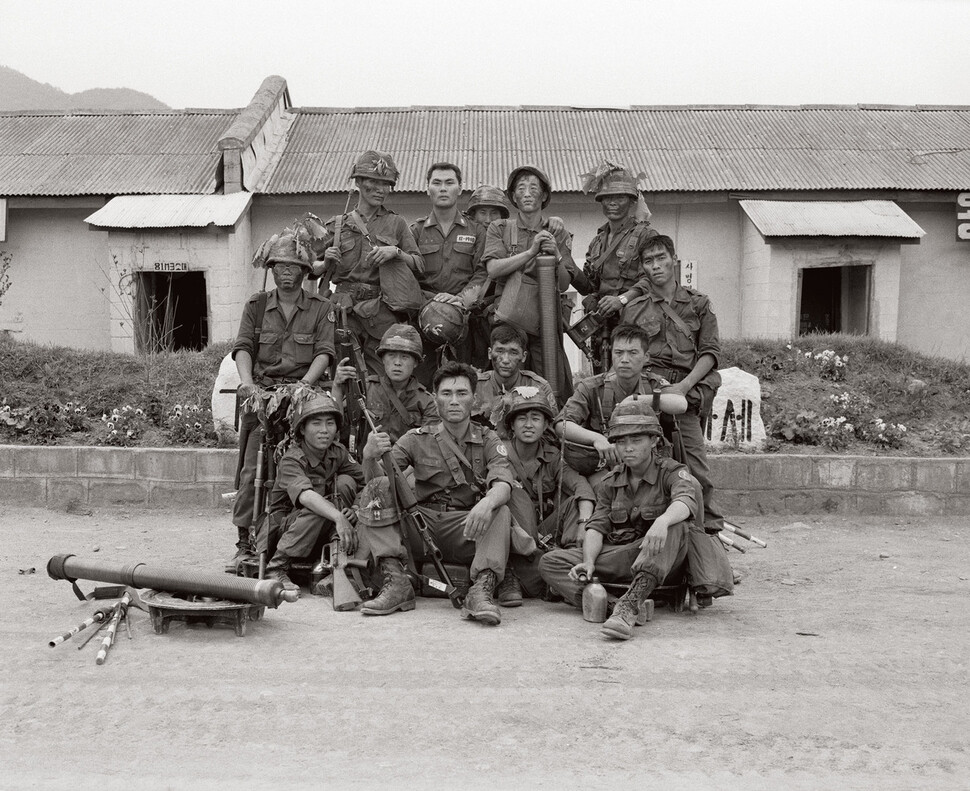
x,y
443,323
285,247
633,415
490,197
402,338
376,506
522,399
315,405
618,182
543,180
374,165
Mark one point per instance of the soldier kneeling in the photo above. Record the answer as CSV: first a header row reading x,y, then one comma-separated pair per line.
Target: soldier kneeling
x,y
316,482
639,529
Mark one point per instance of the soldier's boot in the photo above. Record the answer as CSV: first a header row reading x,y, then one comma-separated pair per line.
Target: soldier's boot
x,y
620,624
279,569
509,590
396,593
244,552
479,604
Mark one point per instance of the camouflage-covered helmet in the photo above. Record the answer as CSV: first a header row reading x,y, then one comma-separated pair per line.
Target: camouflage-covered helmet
x,y
401,338
286,247
315,405
375,506
374,165
443,323
489,197
543,180
523,398
618,182
634,415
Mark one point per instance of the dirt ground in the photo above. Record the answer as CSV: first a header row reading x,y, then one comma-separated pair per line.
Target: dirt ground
x,y
841,662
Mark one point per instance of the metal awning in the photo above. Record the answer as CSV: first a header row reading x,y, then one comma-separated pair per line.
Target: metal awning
x,y
831,218
171,211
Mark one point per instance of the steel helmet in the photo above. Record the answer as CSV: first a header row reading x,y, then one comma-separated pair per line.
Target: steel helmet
x,y
491,197
543,180
443,323
317,404
286,247
374,165
634,415
618,182
402,338
375,506
522,399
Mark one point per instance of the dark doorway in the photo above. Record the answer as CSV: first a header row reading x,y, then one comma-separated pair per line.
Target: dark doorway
x,y
171,311
835,299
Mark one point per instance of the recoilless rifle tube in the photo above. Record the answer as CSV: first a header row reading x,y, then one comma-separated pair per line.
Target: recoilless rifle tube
x,y
267,593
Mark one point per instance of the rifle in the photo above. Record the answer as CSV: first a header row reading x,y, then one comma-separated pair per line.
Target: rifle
x,y
411,516
345,595
354,433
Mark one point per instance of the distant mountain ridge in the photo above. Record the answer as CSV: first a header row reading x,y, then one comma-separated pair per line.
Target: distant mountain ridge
x,y
20,92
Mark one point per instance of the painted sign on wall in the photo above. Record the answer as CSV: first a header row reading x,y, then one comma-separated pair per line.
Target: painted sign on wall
x,y
963,217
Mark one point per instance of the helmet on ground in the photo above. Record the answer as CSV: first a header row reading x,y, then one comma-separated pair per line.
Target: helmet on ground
x,y
315,405
374,165
443,323
618,182
490,197
286,247
522,169
522,399
375,506
401,338
634,415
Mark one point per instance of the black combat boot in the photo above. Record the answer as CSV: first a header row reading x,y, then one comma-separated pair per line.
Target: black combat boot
x,y
620,624
244,552
279,569
396,593
479,605
509,590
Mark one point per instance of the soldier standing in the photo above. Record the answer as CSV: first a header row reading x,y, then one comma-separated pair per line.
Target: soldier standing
x,y
684,349
374,269
511,249
638,533
285,335
462,482
613,260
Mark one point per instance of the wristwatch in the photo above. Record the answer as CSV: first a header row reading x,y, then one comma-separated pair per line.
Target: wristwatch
x,y
623,300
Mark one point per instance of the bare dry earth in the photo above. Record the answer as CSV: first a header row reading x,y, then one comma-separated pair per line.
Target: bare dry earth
x,y
831,668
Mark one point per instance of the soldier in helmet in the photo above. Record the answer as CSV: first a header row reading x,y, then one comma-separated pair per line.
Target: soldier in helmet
x,y
316,483
371,258
285,335
485,205
511,248
614,256
508,354
638,532
396,400
451,246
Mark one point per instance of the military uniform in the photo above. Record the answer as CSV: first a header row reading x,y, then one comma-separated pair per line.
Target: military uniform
x,y
286,349
487,406
397,412
596,396
446,490
674,350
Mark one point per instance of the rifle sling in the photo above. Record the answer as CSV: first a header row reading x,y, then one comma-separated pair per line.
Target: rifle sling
x,y
395,402
598,263
679,322
454,458
516,463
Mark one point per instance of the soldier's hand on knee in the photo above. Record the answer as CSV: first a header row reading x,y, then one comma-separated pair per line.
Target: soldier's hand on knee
x,y
347,535
654,540
478,520
581,572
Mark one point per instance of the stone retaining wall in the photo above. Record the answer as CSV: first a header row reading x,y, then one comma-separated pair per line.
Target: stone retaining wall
x,y
747,484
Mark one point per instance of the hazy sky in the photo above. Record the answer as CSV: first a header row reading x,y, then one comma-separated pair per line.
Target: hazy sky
x,y
211,53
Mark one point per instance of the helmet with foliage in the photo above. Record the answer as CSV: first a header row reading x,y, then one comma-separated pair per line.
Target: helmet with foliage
x,y
634,415
289,246
375,506
401,338
522,399
618,182
374,165
443,322
315,405
490,197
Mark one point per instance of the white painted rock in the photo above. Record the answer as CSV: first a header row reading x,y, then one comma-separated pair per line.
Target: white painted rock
x,y
224,398
736,417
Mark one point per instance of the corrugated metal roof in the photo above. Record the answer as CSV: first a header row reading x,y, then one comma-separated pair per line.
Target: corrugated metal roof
x,y
831,218
679,148
171,211
110,153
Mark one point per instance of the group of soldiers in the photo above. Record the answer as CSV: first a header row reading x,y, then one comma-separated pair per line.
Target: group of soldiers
x,y
420,349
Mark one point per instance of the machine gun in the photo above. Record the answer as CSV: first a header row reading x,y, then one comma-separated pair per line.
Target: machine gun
x,y
354,432
411,516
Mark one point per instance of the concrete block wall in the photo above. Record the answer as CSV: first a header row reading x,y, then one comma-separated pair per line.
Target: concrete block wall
x,y
748,485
